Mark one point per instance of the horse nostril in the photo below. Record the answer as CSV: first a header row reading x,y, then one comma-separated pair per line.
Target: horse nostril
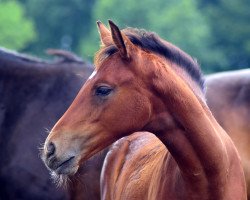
x,y
50,149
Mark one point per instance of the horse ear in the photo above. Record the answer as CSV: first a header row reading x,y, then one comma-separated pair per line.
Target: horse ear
x,y
120,40
105,34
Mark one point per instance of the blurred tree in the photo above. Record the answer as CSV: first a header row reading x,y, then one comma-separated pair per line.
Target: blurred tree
x,y
216,32
16,30
229,21
60,23
179,22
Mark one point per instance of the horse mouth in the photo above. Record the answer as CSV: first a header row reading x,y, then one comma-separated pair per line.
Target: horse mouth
x,y
65,167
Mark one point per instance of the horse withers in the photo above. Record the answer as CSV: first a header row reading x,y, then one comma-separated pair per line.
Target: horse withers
x,y
143,83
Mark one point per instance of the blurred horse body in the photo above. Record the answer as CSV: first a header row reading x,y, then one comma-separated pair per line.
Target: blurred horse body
x,y
33,95
228,97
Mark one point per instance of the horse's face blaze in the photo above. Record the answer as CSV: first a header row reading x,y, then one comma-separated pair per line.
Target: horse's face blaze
x,y
110,105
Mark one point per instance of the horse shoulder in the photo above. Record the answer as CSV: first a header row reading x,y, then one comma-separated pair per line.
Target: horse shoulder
x,y
133,167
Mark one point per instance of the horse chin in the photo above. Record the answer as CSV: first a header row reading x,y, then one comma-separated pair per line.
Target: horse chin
x,y
62,179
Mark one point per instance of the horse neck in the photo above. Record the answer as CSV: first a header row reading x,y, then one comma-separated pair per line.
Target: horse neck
x,y
189,139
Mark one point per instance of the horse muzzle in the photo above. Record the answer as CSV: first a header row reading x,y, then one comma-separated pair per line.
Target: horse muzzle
x,y
66,164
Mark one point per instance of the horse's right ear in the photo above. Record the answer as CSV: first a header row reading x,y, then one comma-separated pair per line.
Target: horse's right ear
x,y
105,34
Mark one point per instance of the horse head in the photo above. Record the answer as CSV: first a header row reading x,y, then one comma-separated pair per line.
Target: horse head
x,y
114,102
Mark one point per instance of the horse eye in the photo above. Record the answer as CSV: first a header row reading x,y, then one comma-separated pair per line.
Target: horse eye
x,y
103,91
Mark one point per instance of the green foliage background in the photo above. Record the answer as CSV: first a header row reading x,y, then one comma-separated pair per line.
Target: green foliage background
x,y
216,32
16,30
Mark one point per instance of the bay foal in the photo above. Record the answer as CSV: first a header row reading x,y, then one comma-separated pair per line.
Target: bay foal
x,y
143,83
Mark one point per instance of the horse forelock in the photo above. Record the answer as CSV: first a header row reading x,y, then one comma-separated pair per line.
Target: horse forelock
x,y
150,41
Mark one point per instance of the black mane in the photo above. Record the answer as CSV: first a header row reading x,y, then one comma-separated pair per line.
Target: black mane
x,y
152,42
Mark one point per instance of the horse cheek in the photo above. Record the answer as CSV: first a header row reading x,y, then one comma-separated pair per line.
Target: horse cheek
x,y
130,116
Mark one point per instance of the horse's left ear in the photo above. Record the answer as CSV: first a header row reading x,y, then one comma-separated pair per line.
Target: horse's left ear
x,y
104,33
121,41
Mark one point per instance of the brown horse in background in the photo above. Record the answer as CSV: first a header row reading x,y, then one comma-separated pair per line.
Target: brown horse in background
x,y
143,83
228,97
34,93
